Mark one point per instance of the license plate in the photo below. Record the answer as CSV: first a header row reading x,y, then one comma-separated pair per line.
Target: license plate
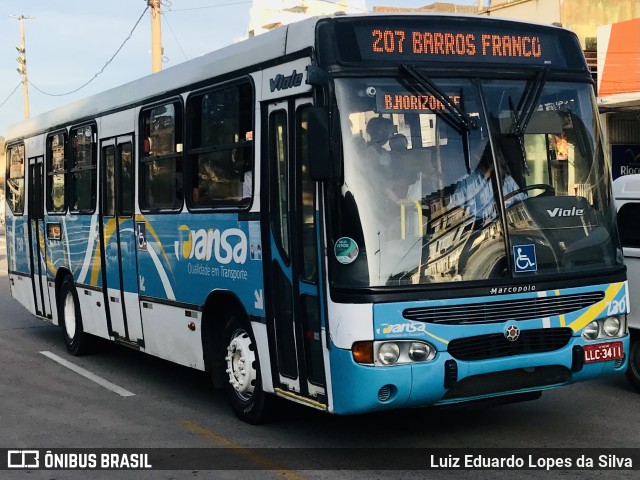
x,y
601,352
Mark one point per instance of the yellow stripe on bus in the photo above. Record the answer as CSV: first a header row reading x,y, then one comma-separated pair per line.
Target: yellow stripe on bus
x,y
108,230
594,311
563,322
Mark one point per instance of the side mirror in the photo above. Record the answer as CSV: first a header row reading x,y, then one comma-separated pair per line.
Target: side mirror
x,y
323,145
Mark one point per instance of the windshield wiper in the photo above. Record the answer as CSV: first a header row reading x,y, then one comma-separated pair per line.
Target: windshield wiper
x,y
528,105
458,119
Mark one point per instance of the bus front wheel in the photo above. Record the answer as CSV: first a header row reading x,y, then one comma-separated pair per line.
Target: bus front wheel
x,y
633,370
243,384
75,339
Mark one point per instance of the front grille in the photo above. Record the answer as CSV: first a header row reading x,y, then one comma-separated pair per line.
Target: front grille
x,y
496,345
509,381
496,312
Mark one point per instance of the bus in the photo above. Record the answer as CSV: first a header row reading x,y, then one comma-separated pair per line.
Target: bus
x,y
626,190
354,213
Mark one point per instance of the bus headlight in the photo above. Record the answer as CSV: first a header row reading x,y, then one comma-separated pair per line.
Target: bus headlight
x,y
419,352
388,353
611,326
591,331
402,352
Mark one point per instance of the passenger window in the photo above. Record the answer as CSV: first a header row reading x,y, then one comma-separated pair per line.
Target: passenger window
x,y
628,217
161,159
56,171
109,196
15,178
220,126
83,170
278,159
125,151
307,199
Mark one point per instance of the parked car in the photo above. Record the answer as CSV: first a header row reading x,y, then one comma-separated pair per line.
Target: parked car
x,y
627,193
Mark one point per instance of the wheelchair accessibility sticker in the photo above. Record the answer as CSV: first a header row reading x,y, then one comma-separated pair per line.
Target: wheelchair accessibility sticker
x,y
524,258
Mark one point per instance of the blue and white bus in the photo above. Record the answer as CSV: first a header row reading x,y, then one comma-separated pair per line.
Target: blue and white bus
x,y
355,213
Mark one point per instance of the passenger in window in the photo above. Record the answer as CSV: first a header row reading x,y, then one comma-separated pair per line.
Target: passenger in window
x,y
147,147
380,130
398,143
207,177
247,184
246,173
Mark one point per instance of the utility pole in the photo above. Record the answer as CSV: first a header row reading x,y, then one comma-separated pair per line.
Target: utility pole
x,y
156,36
22,63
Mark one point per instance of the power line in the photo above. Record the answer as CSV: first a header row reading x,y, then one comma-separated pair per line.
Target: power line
x,y
166,21
240,3
11,94
347,6
102,69
207,6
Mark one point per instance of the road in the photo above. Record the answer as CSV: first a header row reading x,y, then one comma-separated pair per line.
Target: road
x,y
44,404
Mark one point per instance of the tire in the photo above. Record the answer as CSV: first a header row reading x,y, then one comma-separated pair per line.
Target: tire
x,y
633,369
243,383
75,339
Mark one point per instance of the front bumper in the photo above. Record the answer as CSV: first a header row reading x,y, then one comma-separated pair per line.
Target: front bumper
x,y
364,388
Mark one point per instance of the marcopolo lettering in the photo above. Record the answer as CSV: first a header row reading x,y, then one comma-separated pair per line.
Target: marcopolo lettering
x,y
282,83
519,289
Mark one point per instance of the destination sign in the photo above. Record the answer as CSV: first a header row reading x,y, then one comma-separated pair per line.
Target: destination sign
x,y
443,39
448,43
388,102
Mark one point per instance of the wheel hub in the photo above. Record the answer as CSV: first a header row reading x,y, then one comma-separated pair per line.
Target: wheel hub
x,y
240,360
70,316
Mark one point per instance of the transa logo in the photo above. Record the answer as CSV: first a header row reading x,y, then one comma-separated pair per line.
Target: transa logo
x,y
226,245
402,328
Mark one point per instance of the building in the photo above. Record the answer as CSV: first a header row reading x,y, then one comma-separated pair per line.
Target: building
x,y
581,16
619,93
266,15
436,7
609,31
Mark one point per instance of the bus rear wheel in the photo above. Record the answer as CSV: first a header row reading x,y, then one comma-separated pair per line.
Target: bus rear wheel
x,y
243,385
633,370
75,339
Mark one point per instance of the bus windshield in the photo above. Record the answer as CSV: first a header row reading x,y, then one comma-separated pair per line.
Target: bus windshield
x,y
466,179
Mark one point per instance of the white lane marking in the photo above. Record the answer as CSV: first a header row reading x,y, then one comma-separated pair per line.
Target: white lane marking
x,y
87,374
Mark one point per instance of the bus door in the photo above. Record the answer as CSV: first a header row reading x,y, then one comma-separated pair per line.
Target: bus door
x,y
291,261
37,240
120,274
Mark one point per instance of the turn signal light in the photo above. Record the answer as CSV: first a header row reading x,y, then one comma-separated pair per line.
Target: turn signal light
x,y
362,352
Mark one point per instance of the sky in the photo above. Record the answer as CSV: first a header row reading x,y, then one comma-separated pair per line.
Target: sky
x,y
69,41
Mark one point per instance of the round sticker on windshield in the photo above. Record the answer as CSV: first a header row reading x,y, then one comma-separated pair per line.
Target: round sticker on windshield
x,y
346,250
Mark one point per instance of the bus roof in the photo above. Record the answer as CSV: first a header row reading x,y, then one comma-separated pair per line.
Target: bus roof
x,y
263,48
